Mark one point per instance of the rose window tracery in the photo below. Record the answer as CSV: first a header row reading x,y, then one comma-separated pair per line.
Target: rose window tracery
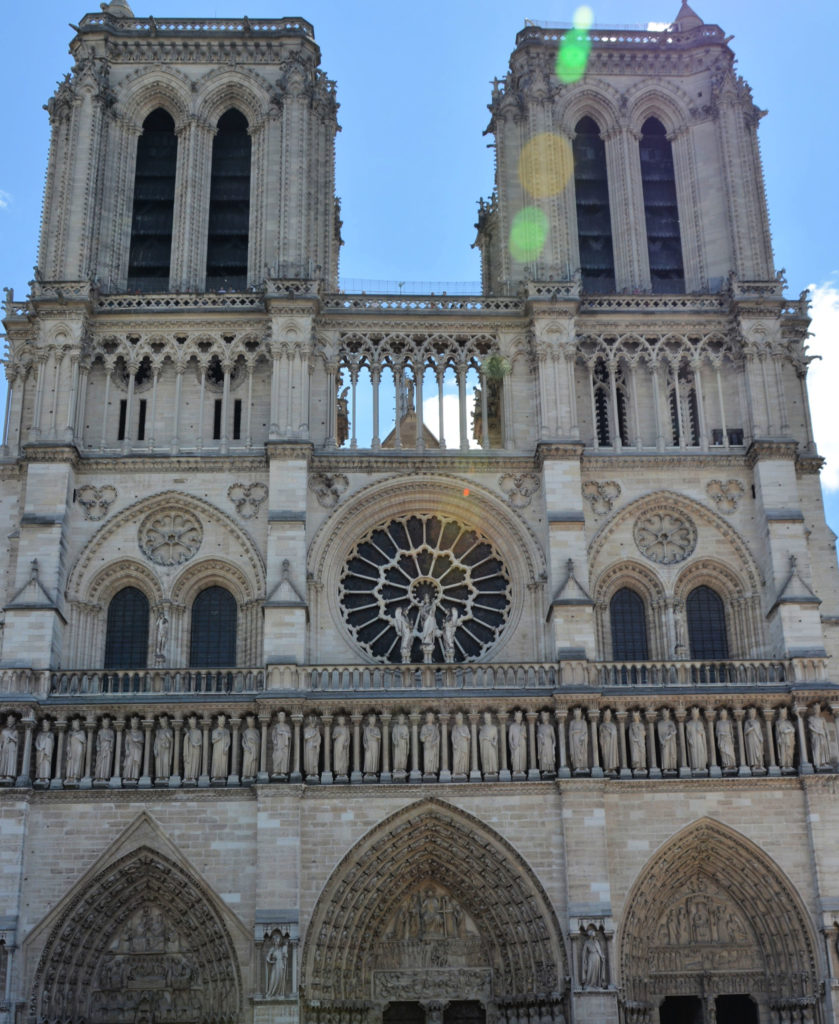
x,y
170,538
665,537
424,588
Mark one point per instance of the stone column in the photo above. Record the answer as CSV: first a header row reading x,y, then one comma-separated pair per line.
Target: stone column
x,y
296,775
204,777
58,774
86,782
145,781
177,740
116,777
385,775
713,768
264,722
355,775
593,719
744,769
25,779
533,773
503,767
416,774
233,777
445,772
625,772
804,766
326,776
564,770
474,773
768,721
684,767
651,715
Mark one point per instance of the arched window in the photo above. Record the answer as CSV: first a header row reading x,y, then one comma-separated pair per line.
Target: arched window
x,y
150,254
127,633
706,625
230,190
629,626
609,408
594,224
684,408
661,210
212,642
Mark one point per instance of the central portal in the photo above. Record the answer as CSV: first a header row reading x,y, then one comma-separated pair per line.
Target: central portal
x,y
457,1012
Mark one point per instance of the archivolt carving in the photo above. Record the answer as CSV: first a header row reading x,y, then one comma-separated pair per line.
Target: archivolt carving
x,y
208,572
713,892
158,86
600,101
712,572
240,88
433,852
125,572
627,572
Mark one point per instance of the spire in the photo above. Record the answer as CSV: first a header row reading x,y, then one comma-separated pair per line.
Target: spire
x,y
686,19
118,9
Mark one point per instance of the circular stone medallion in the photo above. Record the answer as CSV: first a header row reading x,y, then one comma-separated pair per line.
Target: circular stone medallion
x,y
665,537
170,538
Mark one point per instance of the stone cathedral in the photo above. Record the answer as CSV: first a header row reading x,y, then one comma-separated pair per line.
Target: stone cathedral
x,y
417,658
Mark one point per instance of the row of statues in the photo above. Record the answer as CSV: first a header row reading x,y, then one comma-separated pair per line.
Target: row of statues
x,y
525,745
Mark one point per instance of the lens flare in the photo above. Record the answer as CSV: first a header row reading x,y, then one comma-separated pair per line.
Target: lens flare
x,y
572,58
546,165
528,233
583,18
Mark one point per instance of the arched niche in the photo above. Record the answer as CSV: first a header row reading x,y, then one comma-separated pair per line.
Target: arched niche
x,y
434,905
712,915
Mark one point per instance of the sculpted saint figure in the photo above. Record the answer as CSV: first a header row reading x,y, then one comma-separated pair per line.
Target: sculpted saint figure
x,y
132,762
8,749
220,738
162,749
76,744
449,630
250,748
400,739
405,632
725,741
276,965
460,746
161,636
341,746
593,961
753,739
281,745
608,733
372,740
578,741
818,737
785,739
697,744
104,750
311,746
546,743
44,745
518,744
427,628
637,743
667,741
488,743
192,750
430,740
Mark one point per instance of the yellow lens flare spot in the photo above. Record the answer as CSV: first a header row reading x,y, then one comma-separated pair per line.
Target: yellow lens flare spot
x,y
546,165
583,18
528,233
572,57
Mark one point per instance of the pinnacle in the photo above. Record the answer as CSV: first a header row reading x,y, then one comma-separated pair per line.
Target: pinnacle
x,y
118,8
687,18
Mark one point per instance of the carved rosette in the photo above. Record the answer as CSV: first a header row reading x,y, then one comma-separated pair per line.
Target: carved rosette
x,y
96,501
247,498
519,488
601,495
665,537
170,537
725,494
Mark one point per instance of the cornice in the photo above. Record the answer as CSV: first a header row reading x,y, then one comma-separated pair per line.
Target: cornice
x,y
558,451
769,448
36,451
288,451
593,462
173,463
806,464
451,461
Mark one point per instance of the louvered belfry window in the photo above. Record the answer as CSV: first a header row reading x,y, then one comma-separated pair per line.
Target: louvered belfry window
x,y
150,252
127,631
594,224
629,626
230,187
213,635
661,210
706,625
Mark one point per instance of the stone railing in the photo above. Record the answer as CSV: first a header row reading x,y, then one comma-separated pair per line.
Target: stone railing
x,y
131,682
658,303
157,301
701,673
376,678
201,26
423,303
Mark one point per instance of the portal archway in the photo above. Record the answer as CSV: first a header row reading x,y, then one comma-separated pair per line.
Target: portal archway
x,y
712,916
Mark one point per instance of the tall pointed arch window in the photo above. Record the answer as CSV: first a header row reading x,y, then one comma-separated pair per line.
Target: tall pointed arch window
x,y
629,626
661,209
212,642
609,405
127,630
706,625
594,224
230,189
684,406
150,251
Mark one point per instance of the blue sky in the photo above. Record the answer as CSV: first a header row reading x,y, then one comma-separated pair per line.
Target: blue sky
x,y
413,83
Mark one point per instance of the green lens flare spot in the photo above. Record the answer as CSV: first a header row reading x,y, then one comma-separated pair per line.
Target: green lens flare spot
x,y
528,233
573,54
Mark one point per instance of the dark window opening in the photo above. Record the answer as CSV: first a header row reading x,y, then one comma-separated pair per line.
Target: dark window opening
x,y
736,1010
594,223
735,436
123,409
681,1010
464,1011
661,209
213,634
141,423
230,185
127,630
629,626
217,419
403,1013
601,404
215,372
154,205
706,625
237,419
689,409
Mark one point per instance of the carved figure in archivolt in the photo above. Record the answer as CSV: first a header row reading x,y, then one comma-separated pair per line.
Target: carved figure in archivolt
x,y
518,744
608,733
488,744
785,740
667,742
637,743
311,746
593,961
162,749
546,743
725,741
753,740
278,964
104,750
460,745
192,750
76,746
341,746
8,749
400,741
430,740
250,748
578,741
817,729
220,738
372,742
280,745
132,762
44,746
697,743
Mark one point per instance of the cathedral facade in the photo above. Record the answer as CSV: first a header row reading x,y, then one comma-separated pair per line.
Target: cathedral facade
x,y
393,659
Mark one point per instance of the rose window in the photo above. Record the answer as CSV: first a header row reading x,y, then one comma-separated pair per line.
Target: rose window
x,y
170,538
424,588
665,537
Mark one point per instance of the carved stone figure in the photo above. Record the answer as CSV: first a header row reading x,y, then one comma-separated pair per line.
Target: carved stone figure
x,y
405,632
593,961
488,743
132,762
546,743
785,739
104,750
725,741
311,746
608,733
76,746
427,630
637,743
430,740
277,965
8,749
518,744
400,741
372,740
220,737
161,637
192,750
250,748
817,729
753,740
341,746
280,745
578,741
460,746
44,745
449,630
697,743
162,749
667,742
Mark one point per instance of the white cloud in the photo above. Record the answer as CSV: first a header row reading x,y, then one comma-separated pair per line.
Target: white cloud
x,y
5,199
823,377
451,419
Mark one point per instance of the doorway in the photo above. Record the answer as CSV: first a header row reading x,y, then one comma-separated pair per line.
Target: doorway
x,y
404,1013
736,1010
681,1010
464,1012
